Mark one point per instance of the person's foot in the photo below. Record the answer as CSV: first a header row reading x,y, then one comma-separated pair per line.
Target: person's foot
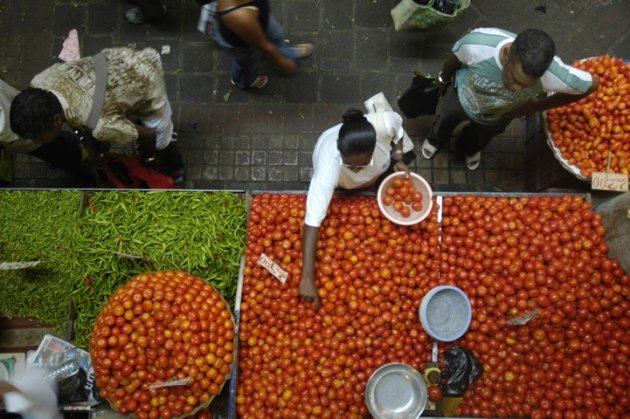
x,y
303,50
428,151
179,179
136,17
473,161
259,83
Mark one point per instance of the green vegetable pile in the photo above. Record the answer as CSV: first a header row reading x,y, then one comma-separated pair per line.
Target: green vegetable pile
x,y
88,252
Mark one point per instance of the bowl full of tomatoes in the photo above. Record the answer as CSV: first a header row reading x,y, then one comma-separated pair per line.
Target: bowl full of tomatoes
x,y
405,200
163,345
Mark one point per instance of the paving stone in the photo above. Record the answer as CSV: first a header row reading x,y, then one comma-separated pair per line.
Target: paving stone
x,y
259,157
226,157
306,173
371,49
258,173
226,172
210,173
241,173
337,14
274,158
196,88
291,174
290,158
302,87
303,15
193,119
211,157
275,174
372,13
100,19
340,88
242,157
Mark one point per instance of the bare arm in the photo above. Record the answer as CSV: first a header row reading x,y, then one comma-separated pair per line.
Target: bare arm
x,y
450,66
307,288
244,23
553,101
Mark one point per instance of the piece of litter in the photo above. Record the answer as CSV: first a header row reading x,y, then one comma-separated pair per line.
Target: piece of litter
x,y
166,49
226,96
70,50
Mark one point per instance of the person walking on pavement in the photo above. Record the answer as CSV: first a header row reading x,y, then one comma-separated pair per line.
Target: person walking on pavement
x,y
119,94
356,154
493,76
243,27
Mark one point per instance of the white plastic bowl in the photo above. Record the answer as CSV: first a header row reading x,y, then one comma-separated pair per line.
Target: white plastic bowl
x,y
420,185
445,313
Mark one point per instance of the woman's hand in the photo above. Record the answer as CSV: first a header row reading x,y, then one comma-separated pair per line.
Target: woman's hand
x,y
308,290
401,167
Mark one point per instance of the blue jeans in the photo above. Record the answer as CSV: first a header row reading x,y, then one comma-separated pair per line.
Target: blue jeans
x,y
244,63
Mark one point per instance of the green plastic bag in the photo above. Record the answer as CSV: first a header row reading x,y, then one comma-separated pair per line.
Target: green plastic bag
x,y
409,15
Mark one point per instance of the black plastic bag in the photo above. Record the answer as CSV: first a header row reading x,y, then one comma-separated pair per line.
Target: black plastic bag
x,y
462,369
72,389
421,98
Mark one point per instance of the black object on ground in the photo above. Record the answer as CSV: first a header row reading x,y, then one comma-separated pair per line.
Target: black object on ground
x,y
462,369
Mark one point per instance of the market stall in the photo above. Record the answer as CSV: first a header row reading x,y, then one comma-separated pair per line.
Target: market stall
x,y
550,310
538,259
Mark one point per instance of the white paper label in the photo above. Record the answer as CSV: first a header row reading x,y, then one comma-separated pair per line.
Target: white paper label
x,y
9,266
173,383
604,181
273,268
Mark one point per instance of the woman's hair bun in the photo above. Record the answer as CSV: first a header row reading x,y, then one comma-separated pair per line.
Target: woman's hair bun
x,y
352,115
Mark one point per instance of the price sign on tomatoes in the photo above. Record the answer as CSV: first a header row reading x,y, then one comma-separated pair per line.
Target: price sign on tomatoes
x,y
273,268
604,181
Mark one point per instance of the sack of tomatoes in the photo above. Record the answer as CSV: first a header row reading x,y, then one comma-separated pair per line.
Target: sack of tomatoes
x,y
593,134
159,328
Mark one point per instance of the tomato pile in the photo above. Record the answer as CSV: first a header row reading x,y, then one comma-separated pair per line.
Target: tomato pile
x,y
160,327
403,197
596,129
371,274
510,255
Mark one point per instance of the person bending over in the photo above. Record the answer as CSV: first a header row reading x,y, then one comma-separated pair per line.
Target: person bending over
x,y
135,107
355,154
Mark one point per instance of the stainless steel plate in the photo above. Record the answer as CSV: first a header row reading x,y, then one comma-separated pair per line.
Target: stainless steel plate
x,y
396,391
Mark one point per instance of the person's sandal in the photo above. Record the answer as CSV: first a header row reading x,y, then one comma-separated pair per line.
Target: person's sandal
x,y
473,161
428,151
259,83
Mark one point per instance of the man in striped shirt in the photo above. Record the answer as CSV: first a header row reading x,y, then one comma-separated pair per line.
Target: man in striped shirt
x,y
493,76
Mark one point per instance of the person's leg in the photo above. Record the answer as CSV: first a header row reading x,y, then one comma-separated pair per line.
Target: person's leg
x,y
244,63
474,138
275,34
449,113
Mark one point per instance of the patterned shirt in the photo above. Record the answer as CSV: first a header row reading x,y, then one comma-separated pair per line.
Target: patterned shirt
x,y
479,82
135,86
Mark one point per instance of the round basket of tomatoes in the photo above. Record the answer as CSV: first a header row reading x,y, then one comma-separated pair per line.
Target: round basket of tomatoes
x,y
163,345
405,200
593,134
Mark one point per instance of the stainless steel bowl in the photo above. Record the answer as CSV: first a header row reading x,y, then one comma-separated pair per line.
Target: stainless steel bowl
x,y
396,391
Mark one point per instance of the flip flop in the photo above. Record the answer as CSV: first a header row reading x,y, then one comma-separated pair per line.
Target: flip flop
x,y
428,151
473,161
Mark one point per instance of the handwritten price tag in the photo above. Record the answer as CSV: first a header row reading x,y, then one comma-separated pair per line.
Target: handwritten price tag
x,y
9,266
273,268
604,181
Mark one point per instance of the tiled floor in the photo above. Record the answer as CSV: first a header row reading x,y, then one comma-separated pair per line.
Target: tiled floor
x,y
264,140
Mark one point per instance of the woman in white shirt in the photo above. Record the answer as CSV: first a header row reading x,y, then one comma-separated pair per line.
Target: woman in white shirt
x,y
351,155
